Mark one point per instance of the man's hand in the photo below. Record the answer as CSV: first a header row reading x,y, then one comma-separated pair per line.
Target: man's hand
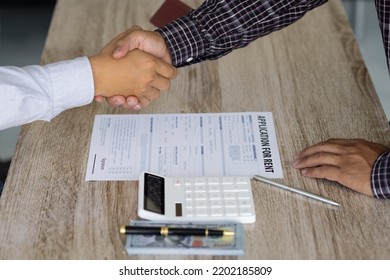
x,y
148,41
348,162
137,74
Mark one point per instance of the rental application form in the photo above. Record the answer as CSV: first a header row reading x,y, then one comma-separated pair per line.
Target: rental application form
x,y
180,145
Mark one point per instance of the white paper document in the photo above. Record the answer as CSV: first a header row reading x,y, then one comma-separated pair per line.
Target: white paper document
x,y
180,145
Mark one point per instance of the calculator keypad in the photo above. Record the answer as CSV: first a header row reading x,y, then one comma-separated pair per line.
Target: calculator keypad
x,y
217,197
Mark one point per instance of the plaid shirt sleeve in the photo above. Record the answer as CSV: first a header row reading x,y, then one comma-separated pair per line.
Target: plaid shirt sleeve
x,y
380,176
219,26
383,11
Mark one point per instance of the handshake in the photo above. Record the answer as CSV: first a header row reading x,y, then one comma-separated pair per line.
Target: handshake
x,y
132,69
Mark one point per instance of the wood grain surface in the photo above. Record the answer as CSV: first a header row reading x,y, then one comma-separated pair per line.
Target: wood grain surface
x,y
310,75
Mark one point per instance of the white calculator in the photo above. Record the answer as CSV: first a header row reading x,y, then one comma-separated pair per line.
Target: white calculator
x,y
193,199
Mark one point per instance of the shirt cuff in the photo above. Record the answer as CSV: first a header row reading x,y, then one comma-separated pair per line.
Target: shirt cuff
x,y
72,84
380,176
184,41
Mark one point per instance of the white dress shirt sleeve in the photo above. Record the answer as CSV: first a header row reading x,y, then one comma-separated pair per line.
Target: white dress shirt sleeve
x,y
42,92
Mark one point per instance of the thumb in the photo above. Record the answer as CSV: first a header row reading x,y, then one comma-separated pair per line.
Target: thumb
x,y
127,42
121,49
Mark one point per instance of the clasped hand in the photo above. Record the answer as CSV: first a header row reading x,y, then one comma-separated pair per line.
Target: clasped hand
x,y
135,77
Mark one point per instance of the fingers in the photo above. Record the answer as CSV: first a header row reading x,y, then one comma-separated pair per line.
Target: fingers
x,y
126,42
324,153
346,161
331,173
99,98
166,70
149,96
117,100
315,163
132,102
317,159
367,149
159,83
164,73
333,146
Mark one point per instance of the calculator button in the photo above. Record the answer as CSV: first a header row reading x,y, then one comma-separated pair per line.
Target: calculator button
x,y
216,203
230,203
189,212
246,211
201,212
213,181
227,180
188,188
231,211
215,195
216,212
200,196
199,181
214,188
201,203
188,181
200,188
243,195
189,196
234,188
244,203
189,204
229,195
177,182
241,180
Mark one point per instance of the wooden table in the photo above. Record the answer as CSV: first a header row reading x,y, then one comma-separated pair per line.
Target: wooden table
x,y
310,75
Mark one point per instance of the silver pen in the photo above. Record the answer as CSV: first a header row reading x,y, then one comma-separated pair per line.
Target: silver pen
x,y
294,190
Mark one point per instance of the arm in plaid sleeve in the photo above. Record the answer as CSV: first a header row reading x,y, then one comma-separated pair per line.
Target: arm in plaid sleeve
x,y
380,176
383,11
219,26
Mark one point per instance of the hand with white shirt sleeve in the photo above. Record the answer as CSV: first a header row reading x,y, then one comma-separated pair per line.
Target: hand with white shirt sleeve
x,y
138,74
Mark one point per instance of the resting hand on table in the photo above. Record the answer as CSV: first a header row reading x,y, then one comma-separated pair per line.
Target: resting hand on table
x,y
348,162
137,38
137,74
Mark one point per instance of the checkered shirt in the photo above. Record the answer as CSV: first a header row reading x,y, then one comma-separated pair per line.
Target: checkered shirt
x,y
380,176
218,27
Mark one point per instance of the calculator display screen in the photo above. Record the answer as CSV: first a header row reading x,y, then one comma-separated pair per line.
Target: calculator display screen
x,y
154,191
